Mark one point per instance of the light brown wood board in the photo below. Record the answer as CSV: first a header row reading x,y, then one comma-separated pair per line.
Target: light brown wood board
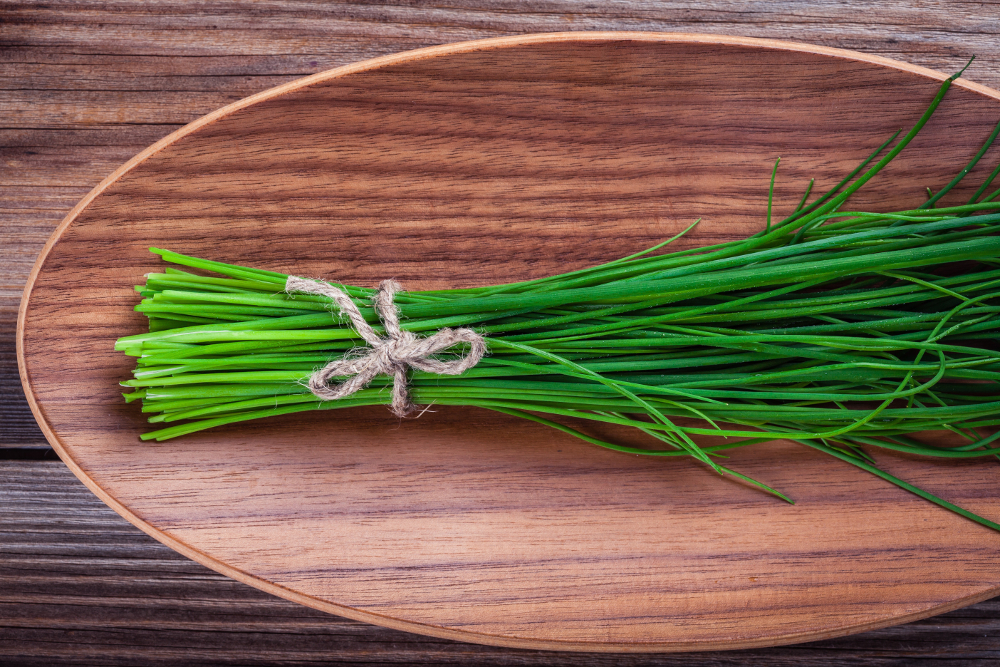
x,y
481,163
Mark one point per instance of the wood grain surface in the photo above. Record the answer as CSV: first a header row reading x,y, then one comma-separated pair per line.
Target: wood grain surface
x,y
124,599
474,164
84,86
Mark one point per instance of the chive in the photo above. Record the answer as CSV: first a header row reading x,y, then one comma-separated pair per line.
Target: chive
x,y
850,332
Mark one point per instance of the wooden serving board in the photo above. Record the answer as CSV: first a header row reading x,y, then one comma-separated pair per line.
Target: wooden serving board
x,y
479,163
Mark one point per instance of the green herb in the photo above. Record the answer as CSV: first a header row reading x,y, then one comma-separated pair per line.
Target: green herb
x,y
848,332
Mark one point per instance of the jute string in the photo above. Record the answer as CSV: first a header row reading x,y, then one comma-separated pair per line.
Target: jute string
x,y
391,355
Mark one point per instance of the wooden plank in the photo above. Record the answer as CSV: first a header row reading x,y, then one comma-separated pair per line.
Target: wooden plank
x,y
80,586
509,161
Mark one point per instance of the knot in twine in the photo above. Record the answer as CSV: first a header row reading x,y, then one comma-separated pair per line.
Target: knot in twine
x,y
391,355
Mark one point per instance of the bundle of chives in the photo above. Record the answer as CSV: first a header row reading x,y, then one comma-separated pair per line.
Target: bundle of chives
x,y
856,330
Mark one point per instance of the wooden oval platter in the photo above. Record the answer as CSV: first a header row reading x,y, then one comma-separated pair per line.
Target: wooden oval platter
x,y
484,162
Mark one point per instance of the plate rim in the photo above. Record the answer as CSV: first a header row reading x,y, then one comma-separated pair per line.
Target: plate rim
x,y
495,43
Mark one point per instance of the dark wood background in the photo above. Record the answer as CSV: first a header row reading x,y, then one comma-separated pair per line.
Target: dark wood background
x,y
86,85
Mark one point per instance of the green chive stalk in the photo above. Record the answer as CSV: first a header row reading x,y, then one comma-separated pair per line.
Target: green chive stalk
x,y
849,332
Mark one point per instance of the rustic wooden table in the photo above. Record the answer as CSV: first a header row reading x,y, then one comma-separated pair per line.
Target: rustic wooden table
x,y
86,85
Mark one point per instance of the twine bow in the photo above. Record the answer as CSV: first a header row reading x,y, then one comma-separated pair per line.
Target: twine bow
x,y
390,355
